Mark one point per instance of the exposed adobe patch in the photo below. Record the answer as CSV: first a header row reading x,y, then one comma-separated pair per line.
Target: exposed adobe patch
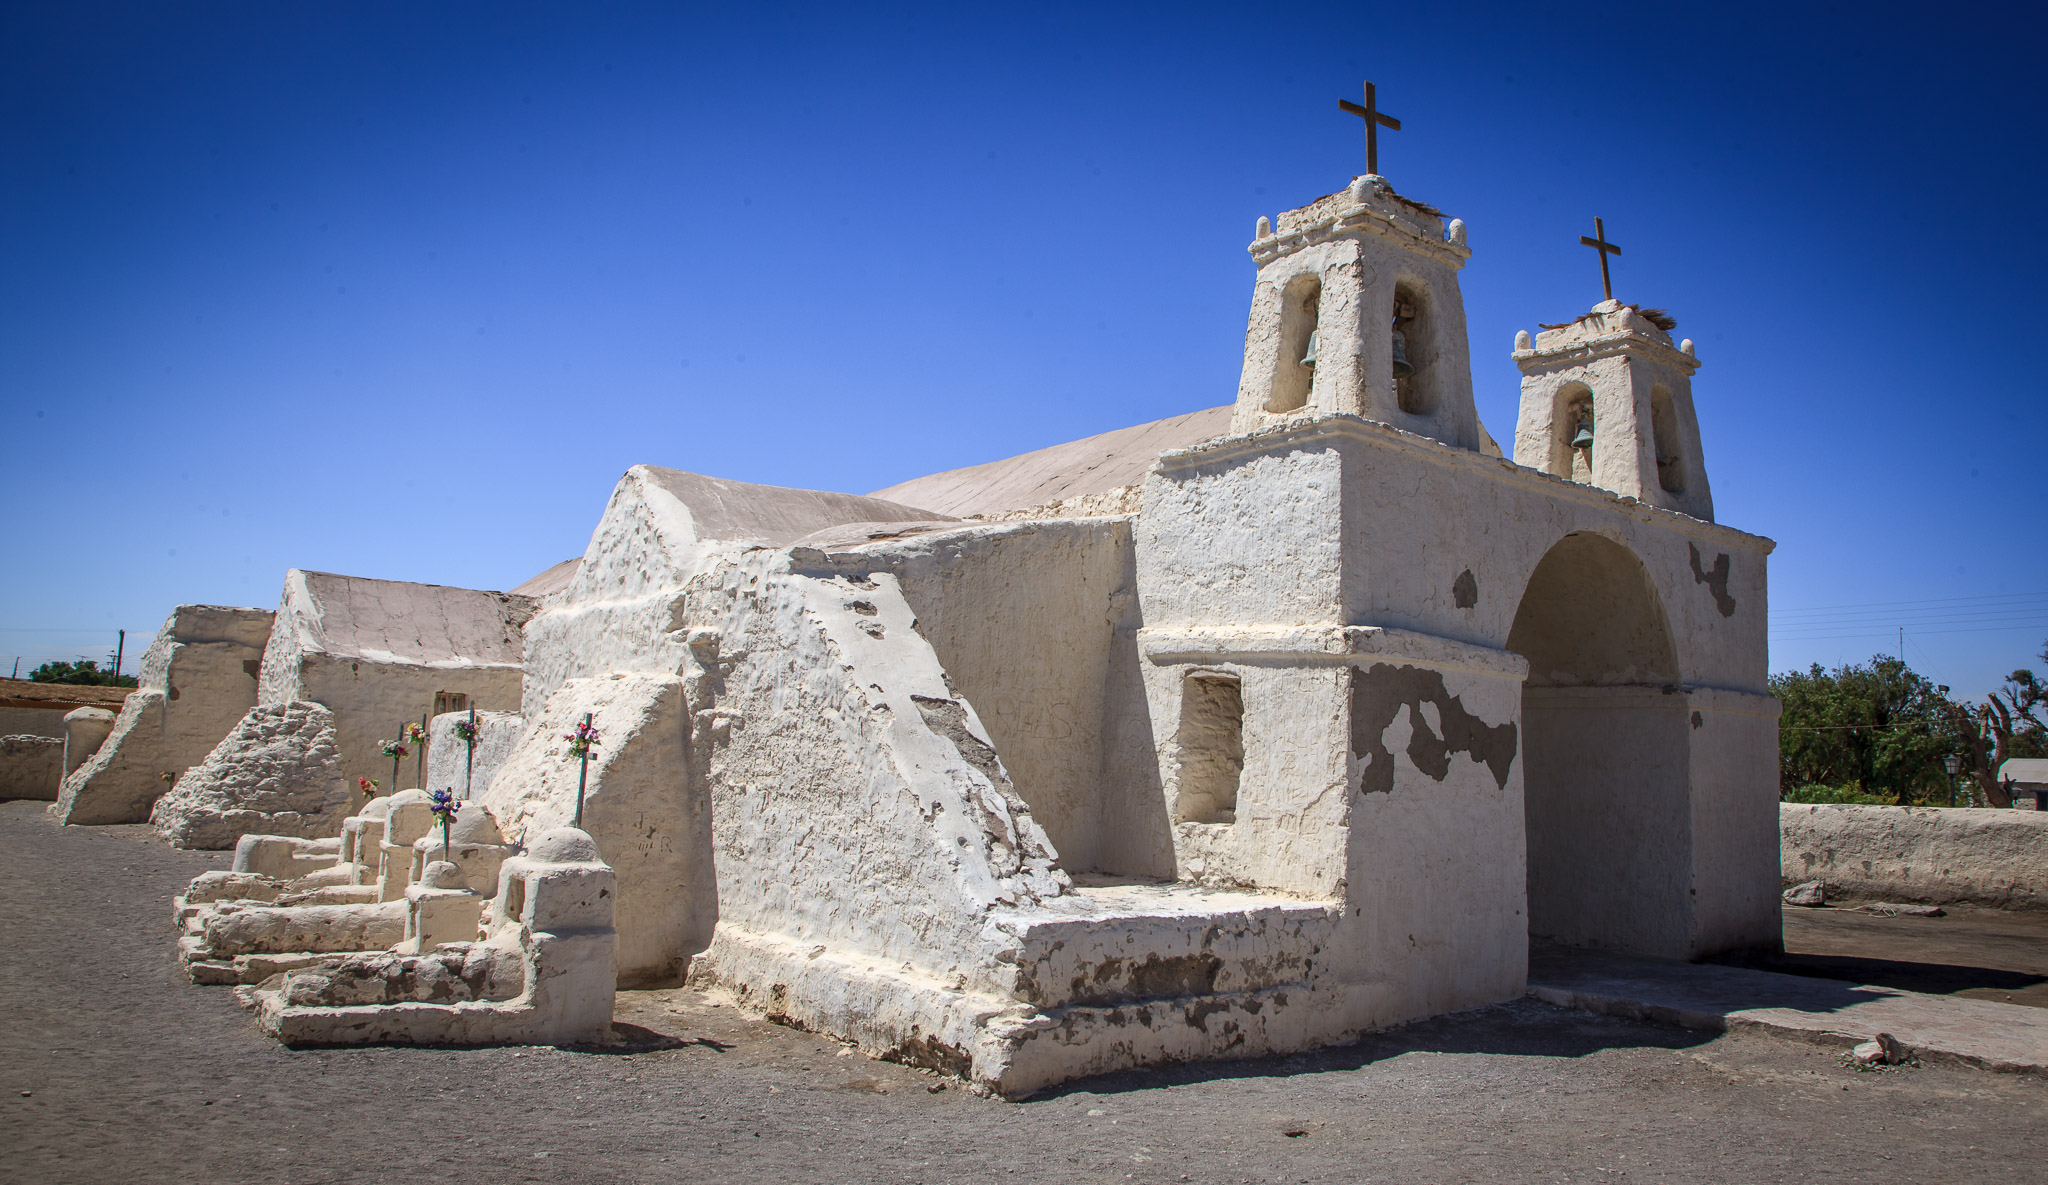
x,y
1465,590
948,718
1716,580
1378,694
930,1053
1117,981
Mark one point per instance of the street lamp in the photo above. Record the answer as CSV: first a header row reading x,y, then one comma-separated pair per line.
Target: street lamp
x,y
1951,763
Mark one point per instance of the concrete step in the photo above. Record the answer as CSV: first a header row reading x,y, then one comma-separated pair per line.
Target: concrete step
x,y
1994,1036
1112,943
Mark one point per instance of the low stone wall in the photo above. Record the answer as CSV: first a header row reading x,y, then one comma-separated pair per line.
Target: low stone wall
x,y
1936,855
32,766
32,722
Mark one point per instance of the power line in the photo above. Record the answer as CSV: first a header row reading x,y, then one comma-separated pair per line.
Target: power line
x,y
1933,601
1927,619
1887,633
1896,619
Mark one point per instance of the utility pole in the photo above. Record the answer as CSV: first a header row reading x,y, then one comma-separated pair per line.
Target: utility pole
x,y
120,644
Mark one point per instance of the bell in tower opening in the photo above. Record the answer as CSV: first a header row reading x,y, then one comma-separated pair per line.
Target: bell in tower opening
x,y
1300,345
1579,416
1413,390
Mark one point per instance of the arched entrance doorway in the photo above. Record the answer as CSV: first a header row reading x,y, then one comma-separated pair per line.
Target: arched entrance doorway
x,y
1605,754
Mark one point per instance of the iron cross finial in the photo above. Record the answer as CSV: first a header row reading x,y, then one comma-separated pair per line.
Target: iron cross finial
x,y
1374,121
1599,243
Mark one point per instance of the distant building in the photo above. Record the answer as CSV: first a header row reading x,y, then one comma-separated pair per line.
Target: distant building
x,y
2029,776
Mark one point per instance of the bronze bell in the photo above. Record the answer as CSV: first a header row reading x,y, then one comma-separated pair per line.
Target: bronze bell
x,y
1585,437
1309,359
1401,367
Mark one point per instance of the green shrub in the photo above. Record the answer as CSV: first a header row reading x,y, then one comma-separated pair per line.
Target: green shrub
x,y
1838,795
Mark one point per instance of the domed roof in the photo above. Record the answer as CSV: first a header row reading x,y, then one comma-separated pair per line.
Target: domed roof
x,y
474,825
443,875
564,845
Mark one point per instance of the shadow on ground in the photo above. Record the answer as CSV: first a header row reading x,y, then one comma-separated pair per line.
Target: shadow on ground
x,y
1987,954
1941,979
1519,1028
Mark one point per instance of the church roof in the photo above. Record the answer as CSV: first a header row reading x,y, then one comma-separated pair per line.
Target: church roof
x,y
395,621
1091,465
553,580
774,516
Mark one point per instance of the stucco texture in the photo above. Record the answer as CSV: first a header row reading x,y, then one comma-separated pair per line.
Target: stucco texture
x,y
1932,855
30,766
383,654
197,680
275,773
451,764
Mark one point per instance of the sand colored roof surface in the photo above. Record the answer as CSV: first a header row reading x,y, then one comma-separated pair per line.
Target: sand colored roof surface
x,y
1090,465
777,516
554,580
397,621
21,693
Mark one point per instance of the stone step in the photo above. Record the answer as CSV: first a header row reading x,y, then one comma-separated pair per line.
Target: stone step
x,y
1984,1033
1112,943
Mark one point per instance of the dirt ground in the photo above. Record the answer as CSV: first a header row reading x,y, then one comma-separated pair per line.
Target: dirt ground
x,y
116,1069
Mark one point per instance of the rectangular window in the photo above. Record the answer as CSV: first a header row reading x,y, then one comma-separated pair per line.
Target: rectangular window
x,y
1211,748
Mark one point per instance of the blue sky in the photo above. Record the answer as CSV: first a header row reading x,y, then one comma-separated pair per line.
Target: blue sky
x,y
400,290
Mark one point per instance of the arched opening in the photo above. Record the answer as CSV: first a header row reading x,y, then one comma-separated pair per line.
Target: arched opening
x,y
1300,340
1664,428
1414,339
1606,755
1571,433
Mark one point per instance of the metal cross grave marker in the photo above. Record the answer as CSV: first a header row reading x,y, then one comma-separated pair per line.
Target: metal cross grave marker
x,y
582,772
1374,119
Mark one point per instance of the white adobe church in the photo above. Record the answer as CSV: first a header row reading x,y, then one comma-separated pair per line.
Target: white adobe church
x,y
1238,733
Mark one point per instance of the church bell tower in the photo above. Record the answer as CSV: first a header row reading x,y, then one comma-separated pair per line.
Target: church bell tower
x,y
1356,311
1607,400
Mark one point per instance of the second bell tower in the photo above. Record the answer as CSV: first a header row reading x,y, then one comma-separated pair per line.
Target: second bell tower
x,y
1607,400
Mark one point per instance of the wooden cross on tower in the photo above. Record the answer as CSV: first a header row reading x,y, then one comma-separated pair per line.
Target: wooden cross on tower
x,y
1599,243
1374,121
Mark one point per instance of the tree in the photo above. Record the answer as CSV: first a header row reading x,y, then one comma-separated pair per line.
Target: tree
x,y
85,672
2009,723
1878,727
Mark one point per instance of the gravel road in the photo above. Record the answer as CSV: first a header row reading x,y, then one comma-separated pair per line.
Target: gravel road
x,y
117,1070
